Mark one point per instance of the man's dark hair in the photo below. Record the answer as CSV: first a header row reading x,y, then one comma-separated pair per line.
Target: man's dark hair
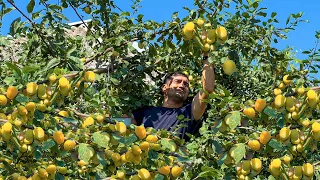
x,y
170,75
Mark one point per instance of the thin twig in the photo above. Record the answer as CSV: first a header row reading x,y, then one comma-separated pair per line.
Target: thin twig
x,y
313,54
33,25
118,8
75,10
248,128
125,43
109,50
317,163
3,120
316,88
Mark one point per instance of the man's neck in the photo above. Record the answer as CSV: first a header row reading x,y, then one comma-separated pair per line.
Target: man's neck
x,y
170,104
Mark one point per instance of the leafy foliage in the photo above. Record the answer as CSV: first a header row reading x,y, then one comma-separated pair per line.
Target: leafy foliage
x,y
128,78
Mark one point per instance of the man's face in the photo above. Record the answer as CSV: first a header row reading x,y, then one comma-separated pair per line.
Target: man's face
x,y
177,89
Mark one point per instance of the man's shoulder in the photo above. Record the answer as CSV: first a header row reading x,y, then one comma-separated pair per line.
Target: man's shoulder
x,y
161,108
144,108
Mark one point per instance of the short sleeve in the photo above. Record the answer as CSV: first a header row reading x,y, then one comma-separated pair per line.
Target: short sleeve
x,y
138,114
193,125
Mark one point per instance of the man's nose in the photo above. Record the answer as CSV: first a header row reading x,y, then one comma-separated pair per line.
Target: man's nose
x,y
181,85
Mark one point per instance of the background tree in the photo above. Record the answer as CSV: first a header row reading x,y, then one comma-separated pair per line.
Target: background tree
x,y
80,103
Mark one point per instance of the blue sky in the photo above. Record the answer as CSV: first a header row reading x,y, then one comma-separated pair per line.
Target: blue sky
x,y
303,38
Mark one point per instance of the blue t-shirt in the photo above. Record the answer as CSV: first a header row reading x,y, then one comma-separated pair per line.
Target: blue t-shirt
x,y
167,118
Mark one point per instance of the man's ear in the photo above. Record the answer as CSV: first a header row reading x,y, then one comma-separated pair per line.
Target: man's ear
x,y
164,88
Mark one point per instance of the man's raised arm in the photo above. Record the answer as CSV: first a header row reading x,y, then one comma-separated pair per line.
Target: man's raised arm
x,y
198,107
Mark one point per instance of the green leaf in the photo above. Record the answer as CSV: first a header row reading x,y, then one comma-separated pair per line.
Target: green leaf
x,y
139,68
245,14
208,172
273,14
21,98
152,51
52,63
153,155
38,115
262,14
115,81
140,16
270,112
59,176
54,7
48,144
223,157
9,81
28,69
38,153
60,162
182,159
288,19
159,177
30,6
217,146
8,167
69,120
9,9
15,69
275,144
101,139
255,5
168,144
126,121
183,151
180,117
239,152
125,140
280,121
85,152
15,26
271,178
36,15
101,159
233,119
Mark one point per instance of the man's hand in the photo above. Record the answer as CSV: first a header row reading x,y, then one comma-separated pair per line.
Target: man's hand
x,y
198,106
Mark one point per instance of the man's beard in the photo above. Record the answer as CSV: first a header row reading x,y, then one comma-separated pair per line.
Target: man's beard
x,y
176,95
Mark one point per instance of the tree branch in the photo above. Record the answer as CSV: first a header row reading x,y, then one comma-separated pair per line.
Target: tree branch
x,y
108,50
317,163
313,54
125,43
75,10
72,75
33,25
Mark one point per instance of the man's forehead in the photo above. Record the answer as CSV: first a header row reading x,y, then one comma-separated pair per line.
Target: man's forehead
x,y
180,77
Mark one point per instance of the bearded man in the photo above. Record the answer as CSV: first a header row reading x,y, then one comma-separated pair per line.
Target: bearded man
x,y
175,90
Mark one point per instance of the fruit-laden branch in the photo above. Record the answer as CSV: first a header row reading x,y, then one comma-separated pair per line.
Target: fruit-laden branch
x,y
316,88
75,10
72,75
33,25
2,121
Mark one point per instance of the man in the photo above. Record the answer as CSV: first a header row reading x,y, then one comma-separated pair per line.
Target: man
x,y
175,90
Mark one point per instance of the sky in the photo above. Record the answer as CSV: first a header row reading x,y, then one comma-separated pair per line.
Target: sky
x,y
301,39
